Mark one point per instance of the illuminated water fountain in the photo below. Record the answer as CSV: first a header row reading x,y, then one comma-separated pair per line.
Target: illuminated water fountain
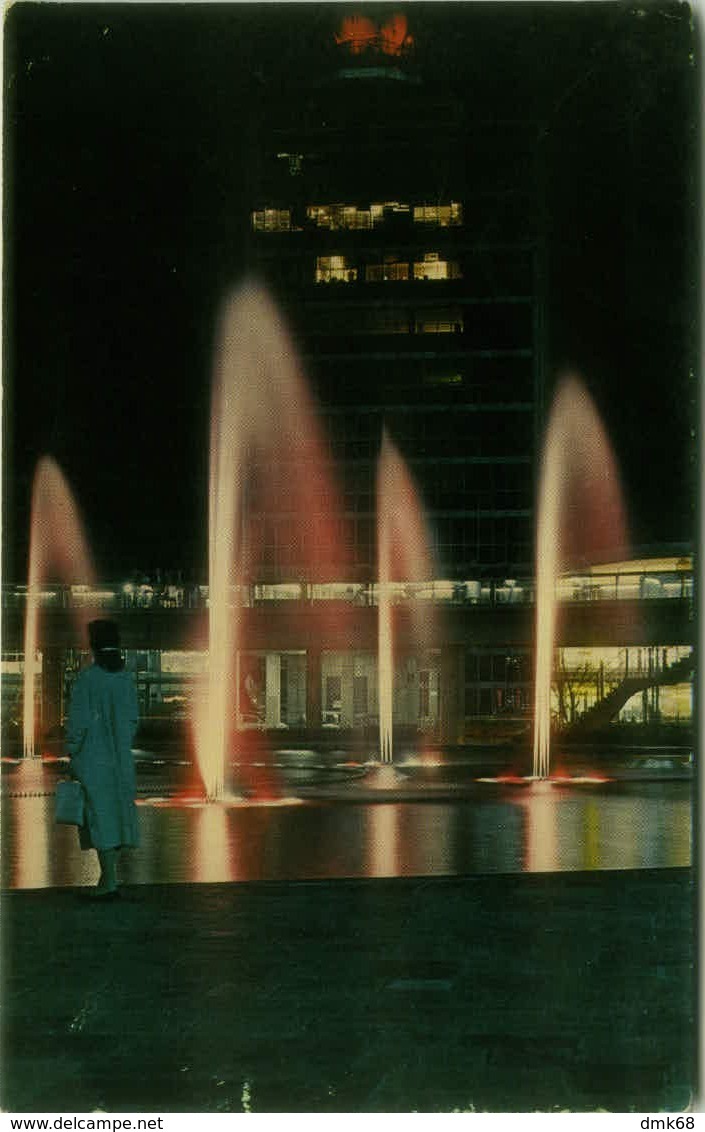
x,y
265,447
57,545
580,514
403,554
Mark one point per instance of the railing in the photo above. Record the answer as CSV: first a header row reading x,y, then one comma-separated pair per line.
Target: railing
x,y
156,596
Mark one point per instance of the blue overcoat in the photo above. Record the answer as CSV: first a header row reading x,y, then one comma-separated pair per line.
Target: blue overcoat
x,y
102,722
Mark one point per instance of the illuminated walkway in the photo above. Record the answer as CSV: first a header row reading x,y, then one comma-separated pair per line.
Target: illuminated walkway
x,y
499,992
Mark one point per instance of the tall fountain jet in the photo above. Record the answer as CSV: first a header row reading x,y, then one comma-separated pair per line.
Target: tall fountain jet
x,y
266,455
57,542
403,555
580,514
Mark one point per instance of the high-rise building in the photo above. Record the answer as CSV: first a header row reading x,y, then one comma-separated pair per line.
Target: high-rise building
x,y
400,235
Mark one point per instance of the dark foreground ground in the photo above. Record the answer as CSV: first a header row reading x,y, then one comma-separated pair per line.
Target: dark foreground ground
x,y
502,993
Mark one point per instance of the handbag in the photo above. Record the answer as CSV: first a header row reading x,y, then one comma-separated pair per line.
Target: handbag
x,y
69,805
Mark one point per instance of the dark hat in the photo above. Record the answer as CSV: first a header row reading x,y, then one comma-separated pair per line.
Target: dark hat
x,y
103,635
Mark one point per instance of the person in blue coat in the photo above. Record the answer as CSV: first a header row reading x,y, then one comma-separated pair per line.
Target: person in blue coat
x,y
102,722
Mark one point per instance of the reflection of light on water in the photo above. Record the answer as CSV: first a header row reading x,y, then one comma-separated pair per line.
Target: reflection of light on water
x,y
427,839
539,785
579,779
30,778
272,803
680,840
507,780
541,836
499,829
212,858
32,823
383,838
591,836
385,777
228,801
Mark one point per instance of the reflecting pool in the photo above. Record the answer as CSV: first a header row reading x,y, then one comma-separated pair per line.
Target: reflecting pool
x,y
494,828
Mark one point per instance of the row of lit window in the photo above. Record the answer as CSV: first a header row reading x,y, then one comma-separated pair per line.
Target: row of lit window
x,y
427,320
349,216
343,269
623,587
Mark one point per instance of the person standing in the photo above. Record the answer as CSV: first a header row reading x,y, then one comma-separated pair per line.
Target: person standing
x,y
102,721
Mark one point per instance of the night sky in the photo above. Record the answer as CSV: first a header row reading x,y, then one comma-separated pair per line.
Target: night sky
x,y
128,162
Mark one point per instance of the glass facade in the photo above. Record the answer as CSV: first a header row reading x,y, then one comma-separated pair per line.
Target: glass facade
x,y
630,582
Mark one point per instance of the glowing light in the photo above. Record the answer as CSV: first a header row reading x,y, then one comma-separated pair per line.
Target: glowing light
x,y
385,662
540,785
576,448
383,833
272,219
262,423
403,549
433,267
335,216
212,859
358,34
644,566
186,801
541,845
56,541
30,807
507,780
335,269
442,215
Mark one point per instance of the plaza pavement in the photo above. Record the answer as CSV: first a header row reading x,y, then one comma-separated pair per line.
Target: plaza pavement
x,y
499,993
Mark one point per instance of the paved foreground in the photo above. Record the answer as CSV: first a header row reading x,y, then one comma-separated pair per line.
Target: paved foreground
x,y
503,993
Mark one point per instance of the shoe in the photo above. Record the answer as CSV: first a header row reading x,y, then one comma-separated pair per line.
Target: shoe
x,y
104,894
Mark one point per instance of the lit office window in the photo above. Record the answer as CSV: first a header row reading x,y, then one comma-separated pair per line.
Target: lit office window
x,y
388,210
390,269
335,269
272,220
439,215
339,216
433,267
446,320
351,216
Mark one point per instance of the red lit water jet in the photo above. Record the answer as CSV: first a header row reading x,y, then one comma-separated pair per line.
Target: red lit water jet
x,y
403,555
56,543
580,512
266,458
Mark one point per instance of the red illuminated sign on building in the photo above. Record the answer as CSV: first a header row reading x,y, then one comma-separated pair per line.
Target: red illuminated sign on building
x,y
359,34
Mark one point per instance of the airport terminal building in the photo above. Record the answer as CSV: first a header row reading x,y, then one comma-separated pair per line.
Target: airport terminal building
x,y
403,241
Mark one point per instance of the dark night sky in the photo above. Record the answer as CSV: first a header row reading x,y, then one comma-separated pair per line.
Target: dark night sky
x,y
127,157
